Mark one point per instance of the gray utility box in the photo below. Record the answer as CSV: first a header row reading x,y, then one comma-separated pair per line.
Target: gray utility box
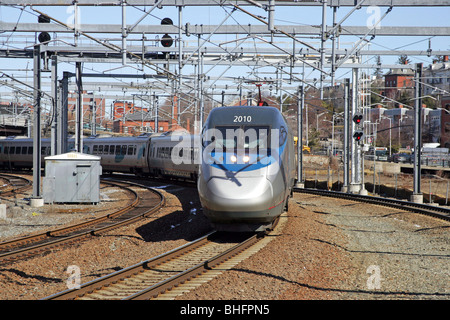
x,y
72,178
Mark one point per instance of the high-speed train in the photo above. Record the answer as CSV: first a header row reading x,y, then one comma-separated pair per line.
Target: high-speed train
x,y
147,154
248,168
244,178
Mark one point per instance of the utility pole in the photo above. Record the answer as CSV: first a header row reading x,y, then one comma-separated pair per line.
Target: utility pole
x,y
55,106
37,200
322,46
417,196
79,111
355,185
300,104
347,117
63,114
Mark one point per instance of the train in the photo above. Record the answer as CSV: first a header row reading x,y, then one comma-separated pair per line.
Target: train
x,y
146,154
248,168
244,180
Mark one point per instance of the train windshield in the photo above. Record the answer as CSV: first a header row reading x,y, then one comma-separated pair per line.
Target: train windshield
x,y
251,138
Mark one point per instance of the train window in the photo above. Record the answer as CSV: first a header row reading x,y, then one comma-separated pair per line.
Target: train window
x,y
24,150
12,150
124,150
95,149
117,149
6,150
106,149
256,137
130,150
30,150
100,149
111,149
226,137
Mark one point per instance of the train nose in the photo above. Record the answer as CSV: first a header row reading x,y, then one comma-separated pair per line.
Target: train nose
x,y
237,194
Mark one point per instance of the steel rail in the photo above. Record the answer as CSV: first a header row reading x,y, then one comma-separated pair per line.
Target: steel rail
x,y
437,212
159,287
155,290
30,245
99,283
20,188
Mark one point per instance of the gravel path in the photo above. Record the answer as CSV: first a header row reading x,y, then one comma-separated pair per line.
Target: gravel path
x,y
339,249
174,225
329,249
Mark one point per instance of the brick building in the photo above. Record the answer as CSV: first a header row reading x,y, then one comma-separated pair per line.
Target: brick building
x,y
399,82
130,119
90,102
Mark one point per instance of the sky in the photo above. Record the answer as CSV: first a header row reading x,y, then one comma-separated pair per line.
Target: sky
x,y
422,16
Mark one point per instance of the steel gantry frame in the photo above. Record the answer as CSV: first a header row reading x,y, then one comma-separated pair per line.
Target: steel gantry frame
x,y
331,3
156,63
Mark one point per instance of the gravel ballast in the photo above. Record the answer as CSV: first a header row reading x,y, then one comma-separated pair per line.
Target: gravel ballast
x,y
329,249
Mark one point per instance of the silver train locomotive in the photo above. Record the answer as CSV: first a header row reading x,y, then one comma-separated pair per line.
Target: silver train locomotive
x,y
248,167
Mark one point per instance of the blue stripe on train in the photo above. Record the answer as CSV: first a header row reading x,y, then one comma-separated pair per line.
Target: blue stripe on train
x,y
223,161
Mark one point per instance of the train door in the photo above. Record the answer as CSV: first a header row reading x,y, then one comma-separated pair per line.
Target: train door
x,y
150,153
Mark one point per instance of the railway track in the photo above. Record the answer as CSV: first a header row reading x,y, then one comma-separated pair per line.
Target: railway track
x,y
157,276
16,184
434,211
145,201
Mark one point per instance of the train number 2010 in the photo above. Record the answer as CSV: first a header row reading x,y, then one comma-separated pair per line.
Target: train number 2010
x,y
242,119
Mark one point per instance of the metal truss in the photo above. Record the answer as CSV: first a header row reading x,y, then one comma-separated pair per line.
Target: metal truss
x,y
177,3
227,30
288,58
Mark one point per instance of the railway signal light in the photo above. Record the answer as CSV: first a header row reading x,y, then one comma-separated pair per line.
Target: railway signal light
x,y
166,40
357,118
44,36
358,135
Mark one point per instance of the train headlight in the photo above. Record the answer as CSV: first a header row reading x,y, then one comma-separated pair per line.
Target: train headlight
x,y
233,158
246,159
